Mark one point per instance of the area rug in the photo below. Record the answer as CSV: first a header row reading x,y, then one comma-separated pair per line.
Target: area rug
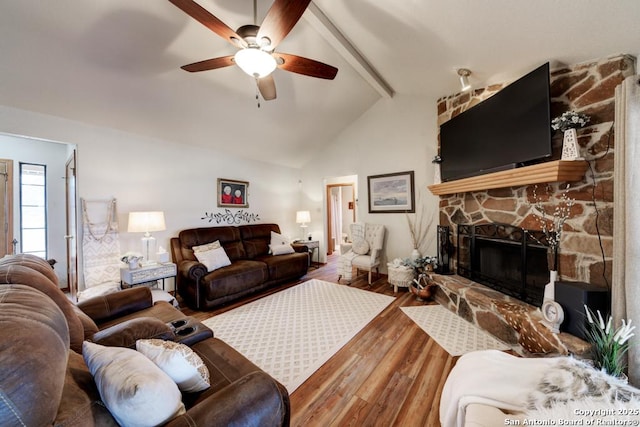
x,y
451,332
292,333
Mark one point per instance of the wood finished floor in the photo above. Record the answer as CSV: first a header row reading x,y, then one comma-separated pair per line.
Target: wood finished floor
x,y
390,374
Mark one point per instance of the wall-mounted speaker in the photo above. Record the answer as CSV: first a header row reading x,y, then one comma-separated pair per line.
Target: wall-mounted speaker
x,y
573,296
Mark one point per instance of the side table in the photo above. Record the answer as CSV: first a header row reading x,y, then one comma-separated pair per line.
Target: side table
x,y
149,273
311,245
400,276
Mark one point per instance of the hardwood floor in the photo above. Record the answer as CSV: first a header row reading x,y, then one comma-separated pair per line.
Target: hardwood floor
x,y
390,374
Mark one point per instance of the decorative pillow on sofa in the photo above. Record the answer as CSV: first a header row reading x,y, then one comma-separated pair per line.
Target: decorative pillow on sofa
x,y
207,246
134,389
280,244
178,361
212,255
360,247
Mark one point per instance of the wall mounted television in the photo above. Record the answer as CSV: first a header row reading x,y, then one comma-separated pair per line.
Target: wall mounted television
x,y
510,129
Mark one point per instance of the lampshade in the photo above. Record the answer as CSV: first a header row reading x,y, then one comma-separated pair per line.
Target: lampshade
x,y
302,217
464,79
145,222
255,62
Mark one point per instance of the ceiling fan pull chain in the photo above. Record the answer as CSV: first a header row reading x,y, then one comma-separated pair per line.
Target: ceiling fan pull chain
x,y
257,93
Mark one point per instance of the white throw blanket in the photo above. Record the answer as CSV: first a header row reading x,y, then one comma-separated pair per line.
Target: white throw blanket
x,y
518,384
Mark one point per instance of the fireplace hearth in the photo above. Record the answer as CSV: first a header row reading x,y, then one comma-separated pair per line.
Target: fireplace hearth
x,y
506,258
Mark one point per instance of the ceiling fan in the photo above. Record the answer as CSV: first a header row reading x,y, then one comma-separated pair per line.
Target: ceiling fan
x,y
256,56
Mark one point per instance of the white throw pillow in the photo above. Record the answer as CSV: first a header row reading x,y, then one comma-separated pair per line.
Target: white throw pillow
x,y
207,246
213,259
281,249
360,247
280,245
134,389
178,361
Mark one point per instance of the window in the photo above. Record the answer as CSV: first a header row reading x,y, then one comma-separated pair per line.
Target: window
x,y
33,209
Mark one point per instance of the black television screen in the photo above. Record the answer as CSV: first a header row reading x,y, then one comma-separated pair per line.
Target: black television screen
x,y
507,130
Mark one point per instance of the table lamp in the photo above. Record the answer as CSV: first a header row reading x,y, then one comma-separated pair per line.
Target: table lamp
x,y
146,222
302,218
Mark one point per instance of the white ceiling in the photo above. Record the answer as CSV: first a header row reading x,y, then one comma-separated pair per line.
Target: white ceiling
x,y
116,63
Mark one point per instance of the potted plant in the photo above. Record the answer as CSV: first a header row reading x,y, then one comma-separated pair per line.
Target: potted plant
x,y
568,122
608,346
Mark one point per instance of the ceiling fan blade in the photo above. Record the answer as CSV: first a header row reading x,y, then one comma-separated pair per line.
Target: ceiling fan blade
x,y
267,87
203,16
281,18
305,66
209,64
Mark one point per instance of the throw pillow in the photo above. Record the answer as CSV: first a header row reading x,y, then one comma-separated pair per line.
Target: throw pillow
x,y
178,361
207,246
280,244
360,247
134,389
213,259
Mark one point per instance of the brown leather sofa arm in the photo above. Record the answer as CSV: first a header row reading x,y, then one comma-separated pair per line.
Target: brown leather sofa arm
x,y
126,333
192,270
106,307
253,400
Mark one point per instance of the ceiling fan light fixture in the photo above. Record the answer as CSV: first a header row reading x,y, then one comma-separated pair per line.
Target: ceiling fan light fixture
x,y
255,62
464,74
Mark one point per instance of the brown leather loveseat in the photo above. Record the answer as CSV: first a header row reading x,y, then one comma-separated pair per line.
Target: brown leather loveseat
x,y
252,267
44,379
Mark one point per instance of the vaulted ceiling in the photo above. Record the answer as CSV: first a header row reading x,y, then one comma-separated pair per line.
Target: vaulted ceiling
x,y
116,63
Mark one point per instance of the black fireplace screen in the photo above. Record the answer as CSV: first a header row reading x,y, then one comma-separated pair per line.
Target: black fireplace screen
x,y
506,258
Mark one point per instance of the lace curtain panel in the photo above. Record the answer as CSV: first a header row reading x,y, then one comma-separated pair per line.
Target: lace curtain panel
x,y
100,242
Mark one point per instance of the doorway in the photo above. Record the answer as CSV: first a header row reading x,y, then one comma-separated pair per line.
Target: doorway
x,y
59,159
341,213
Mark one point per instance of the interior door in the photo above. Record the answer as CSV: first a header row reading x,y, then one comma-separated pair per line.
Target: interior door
x,y
72,246
6,207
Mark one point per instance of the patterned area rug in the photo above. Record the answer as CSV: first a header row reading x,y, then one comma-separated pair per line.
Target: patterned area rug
x,y
453,333
292,333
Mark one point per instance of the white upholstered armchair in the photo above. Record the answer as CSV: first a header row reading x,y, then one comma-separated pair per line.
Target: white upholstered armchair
x,y
364,252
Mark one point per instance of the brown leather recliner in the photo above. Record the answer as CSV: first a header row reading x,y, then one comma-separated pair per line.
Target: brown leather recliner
x,y
38,324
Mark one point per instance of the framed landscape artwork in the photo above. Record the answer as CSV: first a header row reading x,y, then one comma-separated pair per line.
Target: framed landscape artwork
x,y
391,193
233,194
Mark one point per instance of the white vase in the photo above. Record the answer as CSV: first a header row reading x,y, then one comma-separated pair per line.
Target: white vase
x,y
437,179
570,149
415,254
550,288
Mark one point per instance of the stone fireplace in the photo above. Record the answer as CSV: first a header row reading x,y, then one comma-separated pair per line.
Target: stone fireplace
x,y
586,249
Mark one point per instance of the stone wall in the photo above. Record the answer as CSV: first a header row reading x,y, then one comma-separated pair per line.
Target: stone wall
x,y
586,246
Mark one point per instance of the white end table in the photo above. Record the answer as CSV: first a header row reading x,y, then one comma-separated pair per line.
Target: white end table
x,y
149,273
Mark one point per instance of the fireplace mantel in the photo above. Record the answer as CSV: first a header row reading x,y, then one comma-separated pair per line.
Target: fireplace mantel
x,y
553,171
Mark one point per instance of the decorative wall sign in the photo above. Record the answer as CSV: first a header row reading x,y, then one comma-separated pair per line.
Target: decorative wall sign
x,y
391,193
231,217
233,194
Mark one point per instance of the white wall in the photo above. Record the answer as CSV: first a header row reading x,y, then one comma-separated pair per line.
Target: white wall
x,y
150,174
54,157
395,135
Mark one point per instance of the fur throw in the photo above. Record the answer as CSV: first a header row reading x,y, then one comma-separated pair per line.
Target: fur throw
x,y
572,384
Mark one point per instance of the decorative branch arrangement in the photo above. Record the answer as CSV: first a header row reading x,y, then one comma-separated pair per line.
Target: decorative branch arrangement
x,y
417,228
231,217
552,225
